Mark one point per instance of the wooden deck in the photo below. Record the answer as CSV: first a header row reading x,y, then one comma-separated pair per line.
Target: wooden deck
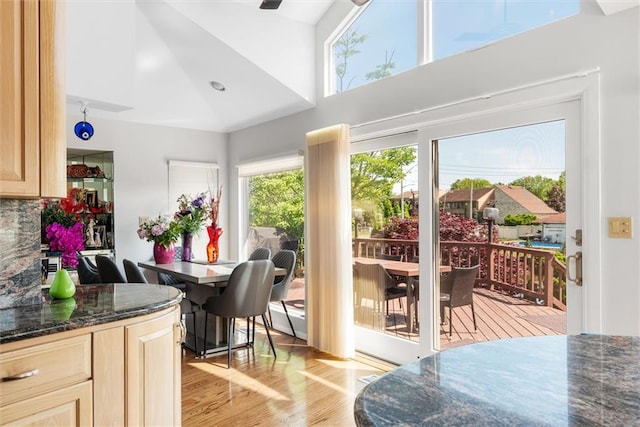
x,y
498,316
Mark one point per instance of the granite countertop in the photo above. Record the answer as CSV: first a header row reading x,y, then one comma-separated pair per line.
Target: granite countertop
x,y
91,305
536,381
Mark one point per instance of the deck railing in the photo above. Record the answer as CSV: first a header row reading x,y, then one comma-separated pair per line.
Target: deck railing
x,y
534,274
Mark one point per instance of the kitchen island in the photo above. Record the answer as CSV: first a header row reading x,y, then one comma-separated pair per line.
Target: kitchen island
x,y
535,381
110,355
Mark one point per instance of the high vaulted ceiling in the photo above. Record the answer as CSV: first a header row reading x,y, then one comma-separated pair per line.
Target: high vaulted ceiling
x,y
152,61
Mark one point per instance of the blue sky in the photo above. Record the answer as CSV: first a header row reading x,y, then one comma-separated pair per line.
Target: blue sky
x,y
458,26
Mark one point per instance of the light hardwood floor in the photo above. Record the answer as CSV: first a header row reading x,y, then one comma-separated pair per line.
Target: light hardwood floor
x,y
301,387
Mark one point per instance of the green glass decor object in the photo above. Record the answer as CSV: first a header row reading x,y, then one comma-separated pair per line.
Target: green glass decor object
x,y
62,309
62,286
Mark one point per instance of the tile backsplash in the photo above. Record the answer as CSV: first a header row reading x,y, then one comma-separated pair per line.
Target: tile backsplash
x,y
19,253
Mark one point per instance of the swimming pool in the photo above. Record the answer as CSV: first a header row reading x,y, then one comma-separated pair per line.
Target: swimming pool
x,y
543,245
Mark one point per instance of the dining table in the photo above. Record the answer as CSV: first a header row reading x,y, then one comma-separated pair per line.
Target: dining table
x,y
408,270
560,380
202,280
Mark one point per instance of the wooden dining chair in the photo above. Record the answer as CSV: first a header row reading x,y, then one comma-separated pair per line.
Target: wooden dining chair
x,y
456,290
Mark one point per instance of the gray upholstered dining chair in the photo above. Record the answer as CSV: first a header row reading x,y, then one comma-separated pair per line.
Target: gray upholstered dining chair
x,y
456,290
108,270
87,271
133,273
283,259
246,295
260,253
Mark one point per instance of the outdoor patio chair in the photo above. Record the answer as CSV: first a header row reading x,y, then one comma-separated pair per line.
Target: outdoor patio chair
x,y
456,290
373,286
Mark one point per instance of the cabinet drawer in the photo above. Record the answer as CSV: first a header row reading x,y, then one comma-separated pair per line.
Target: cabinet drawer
x,y
44,367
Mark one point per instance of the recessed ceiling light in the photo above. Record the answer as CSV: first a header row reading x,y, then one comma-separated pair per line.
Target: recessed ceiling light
x,y
217,86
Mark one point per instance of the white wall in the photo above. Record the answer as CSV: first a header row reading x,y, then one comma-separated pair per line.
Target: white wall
x,y
141,155
583,42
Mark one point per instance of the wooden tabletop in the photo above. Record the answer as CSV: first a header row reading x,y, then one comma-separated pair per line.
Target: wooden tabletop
x,y
398,268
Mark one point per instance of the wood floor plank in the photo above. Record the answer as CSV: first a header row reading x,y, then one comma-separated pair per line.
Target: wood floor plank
x,y
301,387
305,387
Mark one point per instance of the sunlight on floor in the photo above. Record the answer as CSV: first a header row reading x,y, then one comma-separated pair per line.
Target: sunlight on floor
x,y
239,379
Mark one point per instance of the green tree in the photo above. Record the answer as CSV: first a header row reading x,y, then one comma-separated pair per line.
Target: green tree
x,y
382,70
538,185
465,183
519,219
345,48
373,176
277,200
556,199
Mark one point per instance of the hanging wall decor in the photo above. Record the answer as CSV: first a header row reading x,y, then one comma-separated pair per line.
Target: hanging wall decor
x,y
83,129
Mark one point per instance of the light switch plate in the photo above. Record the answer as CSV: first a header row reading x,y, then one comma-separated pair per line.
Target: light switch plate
x,y
620,227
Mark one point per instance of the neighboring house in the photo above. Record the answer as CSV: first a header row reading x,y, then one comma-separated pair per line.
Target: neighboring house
x,y
458,201
509,199
553,228
513,200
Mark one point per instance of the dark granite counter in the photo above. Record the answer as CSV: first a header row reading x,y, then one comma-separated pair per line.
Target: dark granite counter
x,y
538,381
91,305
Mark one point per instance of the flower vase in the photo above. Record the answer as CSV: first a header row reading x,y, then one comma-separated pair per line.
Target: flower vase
x,y
162,255
213,251
187,240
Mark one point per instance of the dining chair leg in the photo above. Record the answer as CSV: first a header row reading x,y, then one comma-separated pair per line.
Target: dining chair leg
x,y
253,331
289,319
473,315
206,319
195,332
230,328
450,321
264,319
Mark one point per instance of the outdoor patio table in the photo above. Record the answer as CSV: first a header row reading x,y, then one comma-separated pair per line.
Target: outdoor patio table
x,y
557,380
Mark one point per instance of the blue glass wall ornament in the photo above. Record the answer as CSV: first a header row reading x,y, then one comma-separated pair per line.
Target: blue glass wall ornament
x,y
83,129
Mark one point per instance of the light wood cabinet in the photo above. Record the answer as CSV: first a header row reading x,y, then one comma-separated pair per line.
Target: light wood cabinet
x,y
47,384
32,105
153,387
126,373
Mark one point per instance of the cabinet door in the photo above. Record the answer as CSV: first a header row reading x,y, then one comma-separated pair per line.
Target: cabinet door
x,y
153,371
20,100
71,406
32,105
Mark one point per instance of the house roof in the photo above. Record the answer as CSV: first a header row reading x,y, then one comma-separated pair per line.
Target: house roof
x,y
465,195
559,218
526,199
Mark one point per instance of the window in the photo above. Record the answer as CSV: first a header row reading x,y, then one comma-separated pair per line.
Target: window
x,y
274,218
386,37
372,48
459,26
